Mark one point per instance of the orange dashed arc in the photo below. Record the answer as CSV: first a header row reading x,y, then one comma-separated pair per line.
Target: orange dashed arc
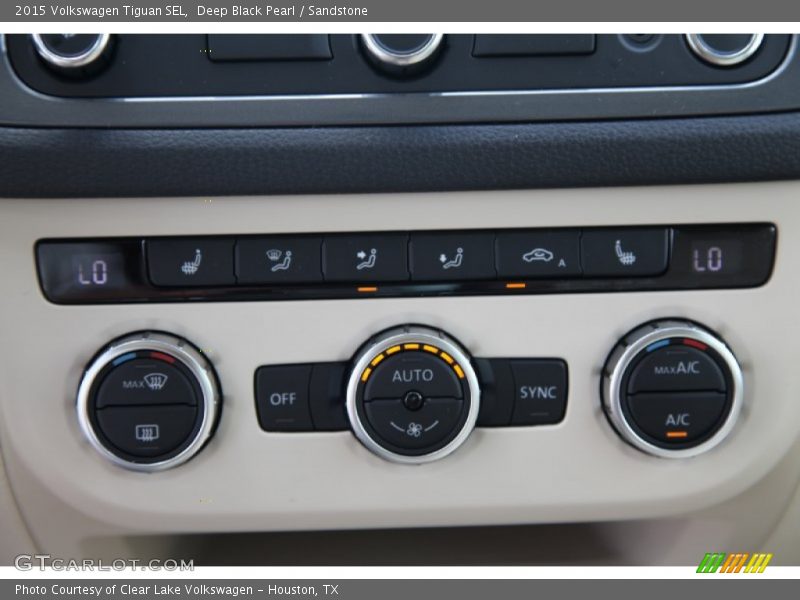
x,y
412,347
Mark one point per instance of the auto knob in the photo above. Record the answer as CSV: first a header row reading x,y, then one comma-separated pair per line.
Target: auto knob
x,y
412,395
74,55
672,388
724,50
402,54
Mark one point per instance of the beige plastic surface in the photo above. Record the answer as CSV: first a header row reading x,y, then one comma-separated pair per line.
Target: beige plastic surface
x,y
249,480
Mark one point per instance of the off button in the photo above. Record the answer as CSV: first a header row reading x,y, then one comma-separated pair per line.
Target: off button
x,y
282,398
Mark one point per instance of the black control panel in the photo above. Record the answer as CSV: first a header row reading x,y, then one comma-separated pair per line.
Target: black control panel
x,y
383,264
318,64
311,397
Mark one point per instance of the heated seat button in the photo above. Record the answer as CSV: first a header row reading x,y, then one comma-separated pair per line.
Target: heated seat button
x,y
540,391
279,259
358,258
451,256
414,429
531,254
677,418
190,262
282,398
624,252
147,431
676,368
416,370
145,381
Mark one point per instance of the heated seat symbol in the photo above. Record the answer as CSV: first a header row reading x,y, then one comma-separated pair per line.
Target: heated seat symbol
x,y
625,258
191,267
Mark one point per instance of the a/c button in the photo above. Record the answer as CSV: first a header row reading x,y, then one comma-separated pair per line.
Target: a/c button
x,y
680,417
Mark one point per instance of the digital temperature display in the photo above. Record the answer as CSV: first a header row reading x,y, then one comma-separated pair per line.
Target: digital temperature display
x,y
84,271
723,257
96,270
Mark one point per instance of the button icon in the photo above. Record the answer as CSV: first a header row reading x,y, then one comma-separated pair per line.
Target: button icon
x,y
538,254
455,263
190,262
155,381
147,433
625,258
274,255
535,253
369,263
278,259
191,267
373,258
459,256
640,252
413,430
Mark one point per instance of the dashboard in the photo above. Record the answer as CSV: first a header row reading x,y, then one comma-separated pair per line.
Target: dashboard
x,y
495,298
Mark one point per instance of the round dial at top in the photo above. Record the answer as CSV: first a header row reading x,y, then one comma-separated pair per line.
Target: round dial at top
x,y
73,54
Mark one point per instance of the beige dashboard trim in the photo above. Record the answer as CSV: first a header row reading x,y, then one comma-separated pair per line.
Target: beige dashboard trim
x,y
250,480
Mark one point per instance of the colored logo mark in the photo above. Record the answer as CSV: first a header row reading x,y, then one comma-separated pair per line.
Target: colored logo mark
x,y
738,562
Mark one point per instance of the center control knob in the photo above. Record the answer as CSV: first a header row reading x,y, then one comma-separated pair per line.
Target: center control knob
x,y
149,401
73,54
672,389
413,396
401,54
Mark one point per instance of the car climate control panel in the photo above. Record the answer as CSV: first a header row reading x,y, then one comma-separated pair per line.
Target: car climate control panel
x,y
411,394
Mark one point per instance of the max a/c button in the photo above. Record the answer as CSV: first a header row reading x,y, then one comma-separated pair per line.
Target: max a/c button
x,y
282,398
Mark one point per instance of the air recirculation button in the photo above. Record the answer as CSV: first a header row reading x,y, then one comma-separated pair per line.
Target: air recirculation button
x,y
413,396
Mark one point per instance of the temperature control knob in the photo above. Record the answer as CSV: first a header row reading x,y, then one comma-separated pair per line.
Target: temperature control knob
x,y
149,401
73,54
672,389
402,54
413,396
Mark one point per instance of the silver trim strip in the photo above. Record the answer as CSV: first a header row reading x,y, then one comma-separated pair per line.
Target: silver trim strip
x,y
405,335
71,62
723,59
174,346
23,106
631,347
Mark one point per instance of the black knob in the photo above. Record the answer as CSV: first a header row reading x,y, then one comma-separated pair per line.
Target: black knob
x,y
74,54
672,389
413,395
402,54
149,401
